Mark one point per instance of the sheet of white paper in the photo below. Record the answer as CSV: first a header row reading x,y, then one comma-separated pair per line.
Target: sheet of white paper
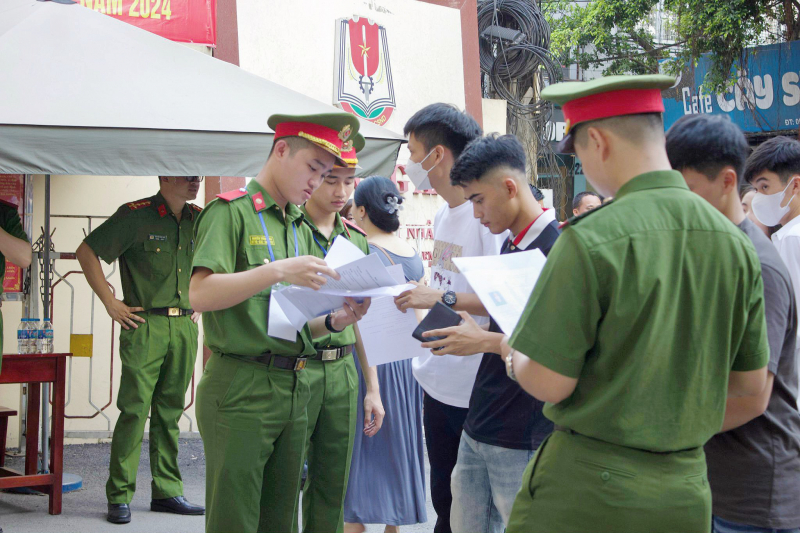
x,y
386,333
342,252
279,325
365,273
396,271
503,283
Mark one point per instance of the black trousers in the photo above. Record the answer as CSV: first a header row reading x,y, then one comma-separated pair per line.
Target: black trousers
x,y
443,425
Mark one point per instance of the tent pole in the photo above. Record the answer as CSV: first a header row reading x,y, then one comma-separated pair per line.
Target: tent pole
x,y
45,312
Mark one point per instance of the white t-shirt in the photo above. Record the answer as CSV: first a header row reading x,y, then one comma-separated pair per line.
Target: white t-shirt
x,y
457,233
787,241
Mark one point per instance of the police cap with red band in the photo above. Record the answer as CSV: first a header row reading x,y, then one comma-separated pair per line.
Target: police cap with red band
x,y
606,97
329,131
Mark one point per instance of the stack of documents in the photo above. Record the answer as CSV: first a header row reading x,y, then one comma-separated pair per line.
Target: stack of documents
x,y
362,276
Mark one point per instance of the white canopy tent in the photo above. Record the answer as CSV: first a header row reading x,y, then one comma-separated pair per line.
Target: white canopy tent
x,y
84,93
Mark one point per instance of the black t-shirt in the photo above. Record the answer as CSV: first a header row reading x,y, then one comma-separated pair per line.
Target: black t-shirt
x,y
501,413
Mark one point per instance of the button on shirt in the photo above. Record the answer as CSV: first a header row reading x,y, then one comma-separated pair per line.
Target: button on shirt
x,y
649,302
229,238
154,252
348,336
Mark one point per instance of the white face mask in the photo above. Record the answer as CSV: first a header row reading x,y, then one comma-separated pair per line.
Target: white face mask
x,y
767,207
418,175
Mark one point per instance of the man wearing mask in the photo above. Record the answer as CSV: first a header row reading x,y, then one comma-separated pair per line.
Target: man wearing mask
x,y
773,169
437,134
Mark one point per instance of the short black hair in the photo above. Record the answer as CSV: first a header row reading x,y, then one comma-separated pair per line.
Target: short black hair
x,y
780,155
443,124
576,202
539,195
377,195
485,154
636,129
294,143
707,144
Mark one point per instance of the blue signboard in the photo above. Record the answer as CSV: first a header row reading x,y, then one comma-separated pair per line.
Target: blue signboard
x,y
765,97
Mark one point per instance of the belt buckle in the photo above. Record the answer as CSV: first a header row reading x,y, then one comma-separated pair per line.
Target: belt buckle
x,y
173,311
330,354
300,364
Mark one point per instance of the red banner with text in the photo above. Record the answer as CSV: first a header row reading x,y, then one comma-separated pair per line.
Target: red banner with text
x,y
184,21
12,190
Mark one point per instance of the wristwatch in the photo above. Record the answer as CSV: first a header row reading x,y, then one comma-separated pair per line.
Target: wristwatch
x,y
449,298
329,324
510,365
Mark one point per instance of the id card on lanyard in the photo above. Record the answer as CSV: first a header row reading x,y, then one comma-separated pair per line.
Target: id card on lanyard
x,y
324,251
269,244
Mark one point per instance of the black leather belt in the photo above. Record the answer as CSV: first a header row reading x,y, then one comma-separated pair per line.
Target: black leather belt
x,y
332,353
268,359
171,311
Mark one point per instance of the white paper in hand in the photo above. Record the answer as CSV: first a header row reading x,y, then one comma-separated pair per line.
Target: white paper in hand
x,y
503,283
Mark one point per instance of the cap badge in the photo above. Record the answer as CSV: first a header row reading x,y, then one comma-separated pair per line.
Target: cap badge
x,y
345,132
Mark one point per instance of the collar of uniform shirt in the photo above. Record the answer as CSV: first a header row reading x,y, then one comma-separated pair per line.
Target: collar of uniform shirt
x,y
657,179
518,238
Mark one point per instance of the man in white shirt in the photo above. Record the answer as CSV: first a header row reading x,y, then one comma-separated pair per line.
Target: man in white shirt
x,y
437,134
773,169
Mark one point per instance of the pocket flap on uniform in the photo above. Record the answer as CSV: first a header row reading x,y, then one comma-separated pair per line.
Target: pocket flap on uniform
x,y
256,254
156,247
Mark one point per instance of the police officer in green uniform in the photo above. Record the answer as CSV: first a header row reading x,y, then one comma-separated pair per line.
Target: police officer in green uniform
x,y
332,375
649,312
153,239
14,246
251,401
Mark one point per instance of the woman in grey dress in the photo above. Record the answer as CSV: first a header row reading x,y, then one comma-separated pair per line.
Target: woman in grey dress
x,y
387,475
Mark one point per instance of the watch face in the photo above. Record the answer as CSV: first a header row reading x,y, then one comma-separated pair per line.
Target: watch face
x,y
449,298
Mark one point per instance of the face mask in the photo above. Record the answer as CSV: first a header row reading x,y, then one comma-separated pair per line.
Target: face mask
x,y
418,175
767,207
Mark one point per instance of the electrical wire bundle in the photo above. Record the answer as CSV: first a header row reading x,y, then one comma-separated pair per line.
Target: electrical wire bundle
x,y
516,65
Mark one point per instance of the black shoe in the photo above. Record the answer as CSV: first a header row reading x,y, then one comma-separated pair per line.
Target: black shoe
x,y
177,505
119,513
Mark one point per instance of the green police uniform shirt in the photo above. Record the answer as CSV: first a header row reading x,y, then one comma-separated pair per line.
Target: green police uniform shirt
x,y
230,239
320,249
649,302
11,223
154,251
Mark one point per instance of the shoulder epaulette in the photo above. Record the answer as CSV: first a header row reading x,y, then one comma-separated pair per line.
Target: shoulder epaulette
x,y
232,195
347,223
196,207
133,206
8,204
574,220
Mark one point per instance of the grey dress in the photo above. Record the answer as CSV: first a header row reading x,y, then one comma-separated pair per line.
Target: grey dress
x,y
387,475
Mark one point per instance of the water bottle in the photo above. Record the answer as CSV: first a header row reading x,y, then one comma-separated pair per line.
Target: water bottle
x,y
33,342
46,337
22,333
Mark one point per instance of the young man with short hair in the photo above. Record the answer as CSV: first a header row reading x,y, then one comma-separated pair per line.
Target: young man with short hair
x,y
754,463
252,398
647,316
437,135
332,374
774,170
153,239
584,202
504,425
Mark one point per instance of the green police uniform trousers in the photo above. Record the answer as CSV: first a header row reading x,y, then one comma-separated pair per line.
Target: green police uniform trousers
x,y
253,422
576,483
157,363
332,415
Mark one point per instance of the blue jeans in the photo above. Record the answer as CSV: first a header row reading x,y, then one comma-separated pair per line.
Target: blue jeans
x,y
720,525
484,484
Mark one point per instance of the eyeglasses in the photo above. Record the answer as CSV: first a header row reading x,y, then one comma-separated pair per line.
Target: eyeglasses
x,y
194,179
